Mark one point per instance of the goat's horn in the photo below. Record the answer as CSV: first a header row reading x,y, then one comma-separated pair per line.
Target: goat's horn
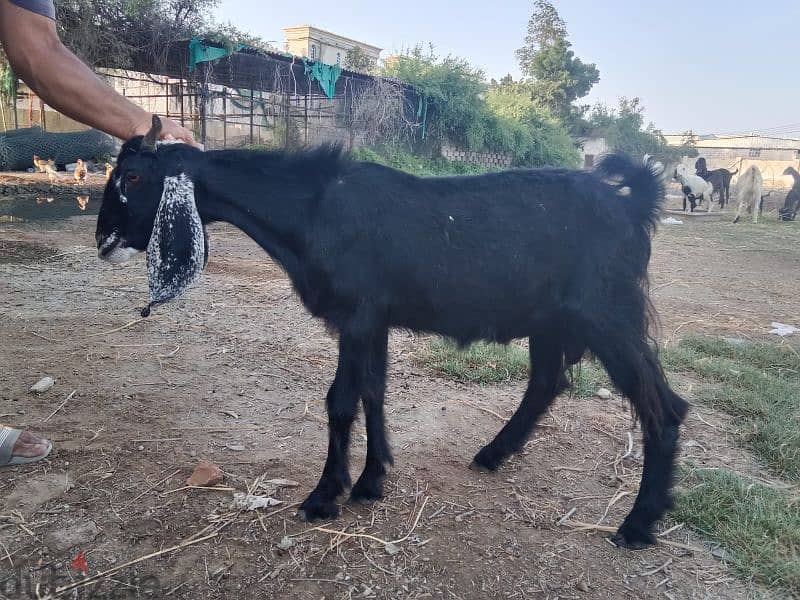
x,y
149,141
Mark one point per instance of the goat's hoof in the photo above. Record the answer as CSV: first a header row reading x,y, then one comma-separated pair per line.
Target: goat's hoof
x,y
366,491
314,509
633,538
485,461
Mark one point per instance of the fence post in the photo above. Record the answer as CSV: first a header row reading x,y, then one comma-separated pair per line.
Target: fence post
x,y
204,92
252,102
180,97
286,109
224,117
166,95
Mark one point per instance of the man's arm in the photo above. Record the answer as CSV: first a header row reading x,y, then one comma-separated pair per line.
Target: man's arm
x,y
40,59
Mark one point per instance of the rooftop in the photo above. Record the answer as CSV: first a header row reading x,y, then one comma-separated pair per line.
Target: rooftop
x,y
299,28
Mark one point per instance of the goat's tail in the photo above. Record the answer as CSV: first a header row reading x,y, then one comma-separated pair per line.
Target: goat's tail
x,y
645,182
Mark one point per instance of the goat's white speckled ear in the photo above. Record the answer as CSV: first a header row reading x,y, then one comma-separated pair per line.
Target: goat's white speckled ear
x,y
176,253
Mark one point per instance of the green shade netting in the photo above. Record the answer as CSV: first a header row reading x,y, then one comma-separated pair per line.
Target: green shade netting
x,y
325,75
201,52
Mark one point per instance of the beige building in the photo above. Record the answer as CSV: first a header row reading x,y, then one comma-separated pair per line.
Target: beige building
x,y
318,44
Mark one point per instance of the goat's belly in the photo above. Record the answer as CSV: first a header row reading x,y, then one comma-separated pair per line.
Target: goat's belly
x,y
466,323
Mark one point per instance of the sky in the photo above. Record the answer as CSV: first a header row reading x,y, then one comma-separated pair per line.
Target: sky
x,y
711,66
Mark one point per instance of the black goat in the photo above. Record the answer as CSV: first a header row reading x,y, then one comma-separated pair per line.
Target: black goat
x,y
719,178
792,202
559,256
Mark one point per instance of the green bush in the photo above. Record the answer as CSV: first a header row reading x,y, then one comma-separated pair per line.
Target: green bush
x,y
415,164
465,111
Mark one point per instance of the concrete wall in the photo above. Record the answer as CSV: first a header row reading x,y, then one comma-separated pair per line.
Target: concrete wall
x,y
490,160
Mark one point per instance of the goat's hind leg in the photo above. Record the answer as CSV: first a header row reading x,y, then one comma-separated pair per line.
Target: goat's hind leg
x,y
373,385
342,405
634,368
546,381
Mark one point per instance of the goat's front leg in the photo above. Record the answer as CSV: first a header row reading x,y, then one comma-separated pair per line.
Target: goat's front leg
x,y
342,404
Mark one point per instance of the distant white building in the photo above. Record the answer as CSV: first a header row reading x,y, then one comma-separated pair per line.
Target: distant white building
x,y
592,148
725,147
317,44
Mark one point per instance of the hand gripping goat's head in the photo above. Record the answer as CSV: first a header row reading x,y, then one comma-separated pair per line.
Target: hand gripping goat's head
x,y
149,205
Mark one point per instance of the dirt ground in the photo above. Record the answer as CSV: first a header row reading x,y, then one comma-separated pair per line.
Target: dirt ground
x,y
236,372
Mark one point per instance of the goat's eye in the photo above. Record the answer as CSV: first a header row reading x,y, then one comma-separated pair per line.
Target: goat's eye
x,y
133,178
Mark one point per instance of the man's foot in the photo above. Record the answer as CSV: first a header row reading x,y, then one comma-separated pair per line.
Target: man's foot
x,y
30,446
20,447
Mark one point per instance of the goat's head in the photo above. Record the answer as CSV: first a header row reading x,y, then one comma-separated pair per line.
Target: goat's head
x,y
700,165
149,205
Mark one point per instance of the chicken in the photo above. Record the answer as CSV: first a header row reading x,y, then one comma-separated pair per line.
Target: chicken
x,y
42,164
52,175
80,171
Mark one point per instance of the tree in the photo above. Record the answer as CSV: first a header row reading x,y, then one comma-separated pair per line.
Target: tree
x,y
543,141
624,131
544,27
115,32
357,60
556,75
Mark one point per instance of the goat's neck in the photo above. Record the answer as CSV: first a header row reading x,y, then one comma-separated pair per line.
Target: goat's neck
x,y
273,212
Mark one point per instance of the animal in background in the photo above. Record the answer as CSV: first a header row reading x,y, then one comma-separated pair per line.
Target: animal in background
x,y
792,202
749,193
42,164
720,179
80,171
695,189
50,169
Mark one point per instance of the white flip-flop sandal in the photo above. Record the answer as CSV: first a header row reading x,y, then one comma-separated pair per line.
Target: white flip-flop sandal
x,y
8,439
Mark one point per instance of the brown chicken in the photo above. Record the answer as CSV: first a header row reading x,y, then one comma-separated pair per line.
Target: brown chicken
x,y
52,175
42,164
80,171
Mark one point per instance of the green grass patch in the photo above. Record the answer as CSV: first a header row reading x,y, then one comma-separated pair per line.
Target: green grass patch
x,y
758,526
483,362
757,383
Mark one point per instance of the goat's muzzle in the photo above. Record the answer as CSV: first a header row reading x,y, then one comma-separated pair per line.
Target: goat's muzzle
x,y
111,249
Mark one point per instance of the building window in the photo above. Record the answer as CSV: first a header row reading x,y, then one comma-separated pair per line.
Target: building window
x,y
339,58
313,52
755,152
797,153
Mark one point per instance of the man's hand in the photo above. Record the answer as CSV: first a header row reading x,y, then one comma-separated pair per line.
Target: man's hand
x,y
170,130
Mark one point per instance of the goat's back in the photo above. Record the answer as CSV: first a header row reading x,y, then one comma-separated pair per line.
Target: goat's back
x,y
480,256
750,185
